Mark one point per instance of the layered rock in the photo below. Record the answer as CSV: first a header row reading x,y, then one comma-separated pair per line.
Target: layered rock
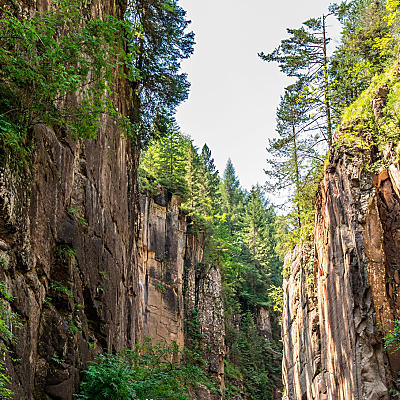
x,y
342,289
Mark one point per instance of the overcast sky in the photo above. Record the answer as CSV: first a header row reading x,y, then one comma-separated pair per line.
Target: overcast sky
x,y
234,94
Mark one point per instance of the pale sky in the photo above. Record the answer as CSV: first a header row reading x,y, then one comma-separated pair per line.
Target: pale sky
x,y
234,94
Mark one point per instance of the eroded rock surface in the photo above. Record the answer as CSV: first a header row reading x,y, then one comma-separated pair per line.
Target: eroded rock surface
x,y
343,287
90,268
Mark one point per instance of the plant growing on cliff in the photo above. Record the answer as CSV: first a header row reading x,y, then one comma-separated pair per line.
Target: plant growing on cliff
x,y
45,59
8,321
391,338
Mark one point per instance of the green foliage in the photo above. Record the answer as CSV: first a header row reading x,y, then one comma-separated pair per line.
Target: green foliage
x,y
240,235
258,360
162,42
363,132
172,162
164,164
160,287
276,294
367,47
61,288
342,89
72,211
47,57
391,336
109,377
148,371
8,322
233,378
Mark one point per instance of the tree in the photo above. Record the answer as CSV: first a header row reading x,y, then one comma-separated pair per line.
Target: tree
x,y
164,163
303,55
203,179
294,153
211,177
161,43
232,196
49,56
367,45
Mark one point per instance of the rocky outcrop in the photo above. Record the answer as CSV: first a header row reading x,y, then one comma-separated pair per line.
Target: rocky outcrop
x,y
90,268
70,260
180,297
342,289
162,247
263,323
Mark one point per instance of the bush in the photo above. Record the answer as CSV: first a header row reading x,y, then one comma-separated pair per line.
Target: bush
x,y
8,320
148,371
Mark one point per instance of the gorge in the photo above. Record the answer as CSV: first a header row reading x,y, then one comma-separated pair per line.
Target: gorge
x,y
129,264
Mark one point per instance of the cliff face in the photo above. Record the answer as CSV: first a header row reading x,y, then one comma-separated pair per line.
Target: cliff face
x,y
342,288
68,234
178,293
91,267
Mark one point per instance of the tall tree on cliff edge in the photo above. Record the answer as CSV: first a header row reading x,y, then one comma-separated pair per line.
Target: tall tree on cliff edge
x,y
295,152
161,42
303,55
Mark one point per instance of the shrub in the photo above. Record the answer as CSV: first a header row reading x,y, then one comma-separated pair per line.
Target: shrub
x,y
148,371
8,320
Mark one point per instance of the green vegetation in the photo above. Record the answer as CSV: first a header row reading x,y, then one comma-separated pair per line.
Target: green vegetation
x,y
241,237
60,67
75,213
159,44
61,288
148,371
8,322
330,92
47,57
391,336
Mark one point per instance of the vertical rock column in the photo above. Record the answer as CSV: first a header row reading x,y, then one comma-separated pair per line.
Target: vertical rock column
x,y
340,313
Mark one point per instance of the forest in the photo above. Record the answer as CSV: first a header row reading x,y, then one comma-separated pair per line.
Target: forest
x,y
67,66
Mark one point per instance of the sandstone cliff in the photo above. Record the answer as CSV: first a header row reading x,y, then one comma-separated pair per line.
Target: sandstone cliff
x,y
342,289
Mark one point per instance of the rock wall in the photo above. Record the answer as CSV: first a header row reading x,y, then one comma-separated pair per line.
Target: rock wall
x,y
69,258
178,293
342,289
90,268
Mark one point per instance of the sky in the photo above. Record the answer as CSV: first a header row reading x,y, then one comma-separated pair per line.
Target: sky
x,y
234,94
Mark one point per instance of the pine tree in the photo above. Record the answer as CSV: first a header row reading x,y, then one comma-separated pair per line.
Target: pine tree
x,y
295,152
161,43
303,55
164,163
211,179
232,197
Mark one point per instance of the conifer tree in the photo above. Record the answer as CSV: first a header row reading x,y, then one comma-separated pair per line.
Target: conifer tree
x,y
295,152
303,55
161,43
164,162
232,196
211,177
